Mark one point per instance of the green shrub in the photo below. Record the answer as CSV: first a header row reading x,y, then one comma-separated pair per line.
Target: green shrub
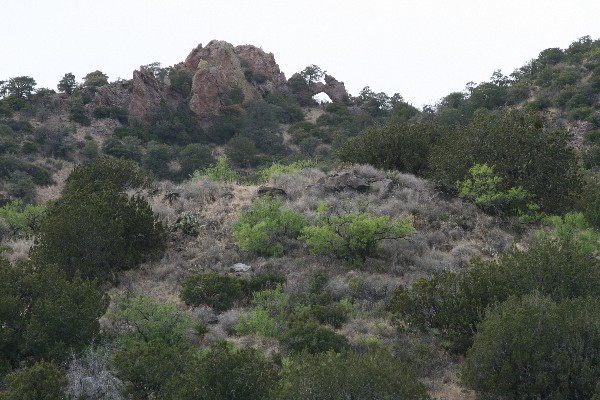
x,y
535,348
270,308
45,315
220,172
123,174
400,146
304,334
97,230
262,281
21,220
194,156
331,376
223,372
353,236
41,381
484,189
524,150
220,292
143,319
264,228
280,169
113,112
452,304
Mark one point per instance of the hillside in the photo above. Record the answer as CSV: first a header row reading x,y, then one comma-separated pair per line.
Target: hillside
x,y
208,230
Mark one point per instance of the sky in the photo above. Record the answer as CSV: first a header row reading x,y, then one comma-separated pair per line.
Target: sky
x,y
422,49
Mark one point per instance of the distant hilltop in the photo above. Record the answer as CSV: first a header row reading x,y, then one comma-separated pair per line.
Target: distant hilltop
x,y
218,76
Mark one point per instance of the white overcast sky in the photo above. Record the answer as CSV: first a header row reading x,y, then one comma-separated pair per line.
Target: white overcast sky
x,y
422,49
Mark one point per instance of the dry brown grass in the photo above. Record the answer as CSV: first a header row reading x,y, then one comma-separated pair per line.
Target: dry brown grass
x,y
449,233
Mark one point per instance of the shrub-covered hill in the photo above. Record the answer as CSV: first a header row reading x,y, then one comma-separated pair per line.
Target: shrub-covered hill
x,y
161,242
352,299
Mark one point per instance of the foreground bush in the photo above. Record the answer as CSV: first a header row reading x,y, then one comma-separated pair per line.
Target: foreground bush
x,y
42,381
98,231
44,315
453,304
534,348
333,376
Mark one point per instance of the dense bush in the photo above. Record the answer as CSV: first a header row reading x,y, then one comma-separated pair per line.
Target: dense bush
x,y
481,187
400,146
332,376
123,174
113,112
524,151
220,292
220,171
98,231
305,334
453,304
535,348
44,314
265,226
223,372
18,220
353,236
41,381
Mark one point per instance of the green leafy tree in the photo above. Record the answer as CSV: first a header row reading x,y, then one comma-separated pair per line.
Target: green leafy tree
x,y
394,146
19,87
264,228
193,157
67,84
312,74
353,236
242,151
41,381
535,348
157,159
95,79
98,231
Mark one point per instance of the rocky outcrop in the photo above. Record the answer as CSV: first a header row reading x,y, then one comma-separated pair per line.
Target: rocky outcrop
x,y
115,94
333,88
217,73
260,68
146,96
220,68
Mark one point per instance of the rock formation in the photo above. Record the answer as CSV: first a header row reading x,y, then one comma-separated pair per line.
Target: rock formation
x,y
333,88
221,74
146,96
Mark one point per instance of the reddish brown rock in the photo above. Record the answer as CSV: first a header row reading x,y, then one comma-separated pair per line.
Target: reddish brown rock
x,y
264,70
217,73
146,96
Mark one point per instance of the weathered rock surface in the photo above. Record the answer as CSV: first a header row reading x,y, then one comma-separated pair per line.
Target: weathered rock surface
x,y
114,94
265,72
146,96
350,181
333,88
